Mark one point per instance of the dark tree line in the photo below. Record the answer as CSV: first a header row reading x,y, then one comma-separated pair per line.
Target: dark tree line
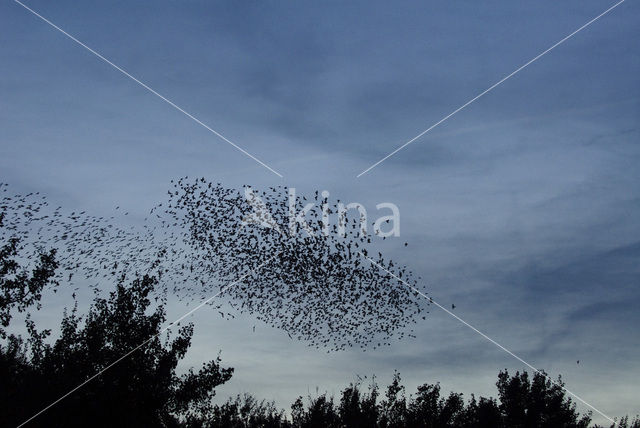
x,y
140,390
523,402
144,389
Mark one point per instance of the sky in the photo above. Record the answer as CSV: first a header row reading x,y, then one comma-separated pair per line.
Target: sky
x,y
523,209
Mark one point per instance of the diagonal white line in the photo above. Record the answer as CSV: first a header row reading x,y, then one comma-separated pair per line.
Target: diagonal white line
x,y
489,89
163,98
485,336
171,324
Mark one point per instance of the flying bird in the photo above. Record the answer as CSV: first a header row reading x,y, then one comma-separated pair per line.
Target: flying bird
x,y
317,287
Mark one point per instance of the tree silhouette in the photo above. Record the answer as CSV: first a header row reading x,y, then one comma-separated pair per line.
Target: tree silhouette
x,y
359,409
536,403
20,289
429,410
244,411
321,412
484,413
142,389
393,409
522,403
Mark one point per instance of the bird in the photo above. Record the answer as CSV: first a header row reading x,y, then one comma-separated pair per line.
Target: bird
x,y
318,288
453,306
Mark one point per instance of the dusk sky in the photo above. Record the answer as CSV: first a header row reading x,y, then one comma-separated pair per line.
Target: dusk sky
x,y
523,209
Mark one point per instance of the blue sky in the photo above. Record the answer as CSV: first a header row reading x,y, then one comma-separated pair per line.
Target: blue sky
x,y
523,208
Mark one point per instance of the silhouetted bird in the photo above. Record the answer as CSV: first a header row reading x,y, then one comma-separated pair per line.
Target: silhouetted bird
x,y
316,287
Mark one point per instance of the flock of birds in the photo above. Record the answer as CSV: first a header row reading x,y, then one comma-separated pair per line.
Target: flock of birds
x,y
318,287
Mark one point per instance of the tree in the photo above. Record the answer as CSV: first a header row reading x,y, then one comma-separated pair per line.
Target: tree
x,y
424,410
624,423
358,409
536,403
142,389
320,413
20,289
245,411
483,414
393,409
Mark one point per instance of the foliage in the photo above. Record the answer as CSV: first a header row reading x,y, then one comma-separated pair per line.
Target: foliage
x,y
244,411
20,289
138,385
536,403
139,388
